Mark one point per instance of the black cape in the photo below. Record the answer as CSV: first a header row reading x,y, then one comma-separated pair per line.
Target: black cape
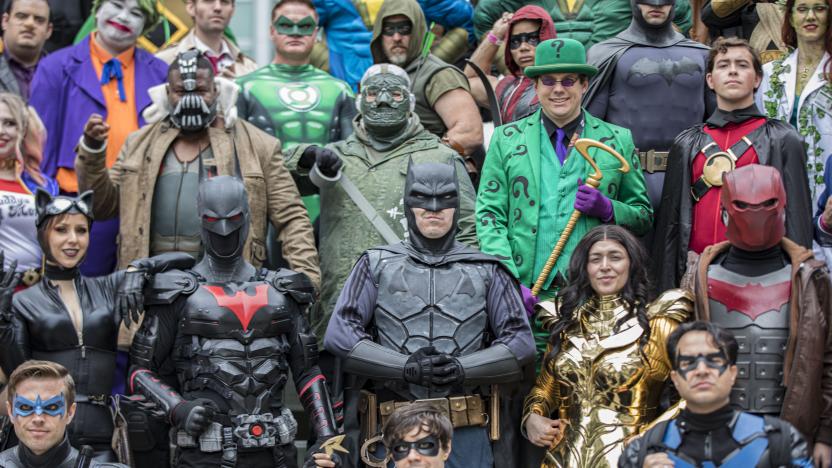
x,y
778,146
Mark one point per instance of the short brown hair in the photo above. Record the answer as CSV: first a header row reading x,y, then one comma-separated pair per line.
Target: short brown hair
x,y
280,3
33,369
721,45
429,418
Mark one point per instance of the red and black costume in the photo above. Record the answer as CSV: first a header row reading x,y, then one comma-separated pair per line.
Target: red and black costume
x,y
690,217
232,333
776,299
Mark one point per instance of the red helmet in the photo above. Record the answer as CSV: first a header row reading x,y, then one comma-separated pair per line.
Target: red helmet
x,y
754,199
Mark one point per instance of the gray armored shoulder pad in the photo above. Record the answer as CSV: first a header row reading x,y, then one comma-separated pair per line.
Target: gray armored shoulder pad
x,y
168,286
674,304
297,285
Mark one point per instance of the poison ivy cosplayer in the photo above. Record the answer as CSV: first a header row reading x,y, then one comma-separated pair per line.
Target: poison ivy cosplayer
x,y
607,364
71,319
798,88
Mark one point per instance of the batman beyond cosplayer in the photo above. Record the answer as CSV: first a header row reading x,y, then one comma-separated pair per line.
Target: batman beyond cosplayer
x,y
432,319
651,80
233,333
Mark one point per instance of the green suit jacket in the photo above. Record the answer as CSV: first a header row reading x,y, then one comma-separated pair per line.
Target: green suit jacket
x,y
508,202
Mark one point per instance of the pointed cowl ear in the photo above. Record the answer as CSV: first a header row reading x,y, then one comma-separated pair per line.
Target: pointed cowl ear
x,y
87,199
42,200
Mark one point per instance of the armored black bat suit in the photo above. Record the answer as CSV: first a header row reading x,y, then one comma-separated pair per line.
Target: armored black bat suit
x,y
232,333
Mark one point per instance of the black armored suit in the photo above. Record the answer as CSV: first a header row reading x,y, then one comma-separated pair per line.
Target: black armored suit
x,y
233,334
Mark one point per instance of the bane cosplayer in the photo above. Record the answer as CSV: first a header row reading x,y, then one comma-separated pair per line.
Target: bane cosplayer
x,y
431,318
233,333
651,79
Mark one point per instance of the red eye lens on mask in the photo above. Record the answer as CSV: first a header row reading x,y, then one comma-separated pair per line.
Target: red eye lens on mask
x,y
210,219
236,217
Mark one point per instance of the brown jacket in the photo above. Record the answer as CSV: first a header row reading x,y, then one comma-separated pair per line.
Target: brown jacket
x,y
807,370
127,191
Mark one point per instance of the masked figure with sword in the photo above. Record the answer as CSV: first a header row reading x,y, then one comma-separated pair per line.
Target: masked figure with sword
x,y
532,193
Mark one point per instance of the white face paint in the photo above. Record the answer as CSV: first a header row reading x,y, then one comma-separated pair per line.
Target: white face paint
x,y
120,22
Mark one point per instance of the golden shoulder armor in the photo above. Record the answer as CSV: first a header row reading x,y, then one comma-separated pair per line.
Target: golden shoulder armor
x,y
547,313
674,304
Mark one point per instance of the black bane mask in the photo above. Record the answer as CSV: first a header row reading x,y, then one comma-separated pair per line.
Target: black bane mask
x,y
191,114
223,207
432,187
385,104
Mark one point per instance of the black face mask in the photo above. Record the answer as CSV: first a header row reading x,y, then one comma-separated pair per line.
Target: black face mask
x,y
639,18
432,187
223,207
427,446
686,364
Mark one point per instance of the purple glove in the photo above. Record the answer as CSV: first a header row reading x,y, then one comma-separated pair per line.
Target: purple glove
x,y
590,201
529,300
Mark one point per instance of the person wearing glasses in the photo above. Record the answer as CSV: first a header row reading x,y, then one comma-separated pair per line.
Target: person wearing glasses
x,y
735,135
71,319
651,80
444,103
523,30
533,176
709,431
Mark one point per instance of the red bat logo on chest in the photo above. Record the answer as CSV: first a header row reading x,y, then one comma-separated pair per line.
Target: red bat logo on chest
x,y
751,300
241,303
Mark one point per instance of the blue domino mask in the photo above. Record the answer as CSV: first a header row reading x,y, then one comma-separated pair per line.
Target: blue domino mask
x,y
55,406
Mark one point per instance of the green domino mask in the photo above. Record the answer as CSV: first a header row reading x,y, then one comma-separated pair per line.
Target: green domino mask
x,y
304,27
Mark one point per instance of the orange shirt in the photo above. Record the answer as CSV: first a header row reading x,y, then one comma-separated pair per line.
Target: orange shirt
x,y
121,116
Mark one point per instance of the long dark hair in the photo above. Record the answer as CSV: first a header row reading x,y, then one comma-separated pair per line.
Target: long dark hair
x,y
635,292
789,35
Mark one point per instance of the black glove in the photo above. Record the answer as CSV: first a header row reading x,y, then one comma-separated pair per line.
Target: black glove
x,y
426,365
192,417
454,374
130,296
327,161
9,279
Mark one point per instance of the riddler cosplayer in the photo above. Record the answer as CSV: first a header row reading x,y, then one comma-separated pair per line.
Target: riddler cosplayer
x,y
374,159
533,177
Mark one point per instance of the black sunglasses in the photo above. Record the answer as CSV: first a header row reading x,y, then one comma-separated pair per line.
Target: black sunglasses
x,y
402,27
516,40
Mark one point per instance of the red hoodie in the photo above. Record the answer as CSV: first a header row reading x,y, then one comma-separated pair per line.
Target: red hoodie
x,y
509,103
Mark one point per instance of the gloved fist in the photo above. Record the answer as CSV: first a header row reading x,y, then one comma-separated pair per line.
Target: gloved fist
x,y
529,300
590,201
192,417
130,296
427,365
327,161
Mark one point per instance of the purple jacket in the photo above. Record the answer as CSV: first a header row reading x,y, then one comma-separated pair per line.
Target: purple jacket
x,y
65,92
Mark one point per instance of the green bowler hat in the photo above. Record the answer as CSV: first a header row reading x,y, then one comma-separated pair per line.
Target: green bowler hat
x,y
560,56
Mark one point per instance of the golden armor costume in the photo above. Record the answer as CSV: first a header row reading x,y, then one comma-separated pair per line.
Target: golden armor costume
x,y
602,383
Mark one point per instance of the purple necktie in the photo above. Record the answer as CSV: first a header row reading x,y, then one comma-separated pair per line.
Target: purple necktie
x,y
560,149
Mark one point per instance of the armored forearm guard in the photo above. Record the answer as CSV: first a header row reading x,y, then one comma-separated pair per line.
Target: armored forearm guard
x,y
148,384
315,398
496,364
373,360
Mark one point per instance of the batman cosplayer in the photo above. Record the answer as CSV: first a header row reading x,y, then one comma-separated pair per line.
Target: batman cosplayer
x,y
650,79
430,318
233,334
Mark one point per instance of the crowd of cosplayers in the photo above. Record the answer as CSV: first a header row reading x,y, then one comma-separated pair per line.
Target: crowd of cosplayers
x,y
632,272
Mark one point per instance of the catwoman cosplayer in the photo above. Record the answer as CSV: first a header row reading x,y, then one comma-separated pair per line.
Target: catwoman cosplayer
x,y
73,320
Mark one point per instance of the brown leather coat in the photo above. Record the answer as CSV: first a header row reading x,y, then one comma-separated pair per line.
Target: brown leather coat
x,y
807,370
127,191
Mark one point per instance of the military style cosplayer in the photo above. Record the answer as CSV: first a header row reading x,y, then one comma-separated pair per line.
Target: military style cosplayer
x,y
775,296
42,403
232,333
651,79
430,318
602,380
709,432
72,319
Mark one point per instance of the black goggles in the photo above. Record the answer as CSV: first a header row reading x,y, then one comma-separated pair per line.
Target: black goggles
x,y
405,28
516,40
427,446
